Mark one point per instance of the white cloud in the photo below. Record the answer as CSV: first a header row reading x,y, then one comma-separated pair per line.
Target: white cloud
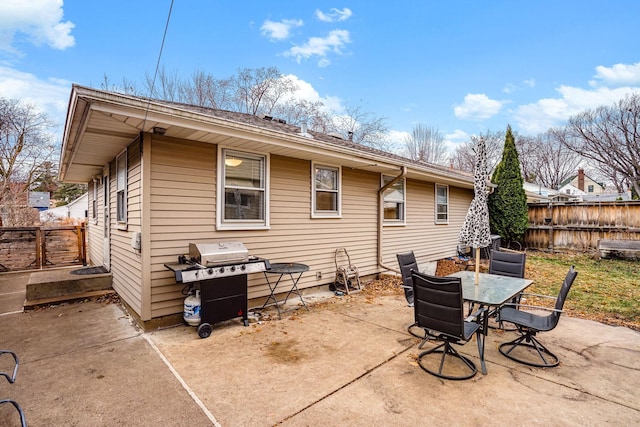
x,y
279,30
40,21
510,87
398,137
457,136
306,92
619,74
538,117
50,96
321,47
454,139
477,106
334,15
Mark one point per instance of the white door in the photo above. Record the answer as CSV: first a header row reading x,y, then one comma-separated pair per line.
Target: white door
x,y
106,220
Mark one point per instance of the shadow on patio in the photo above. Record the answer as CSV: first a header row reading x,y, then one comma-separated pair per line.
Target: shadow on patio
x,y
347,361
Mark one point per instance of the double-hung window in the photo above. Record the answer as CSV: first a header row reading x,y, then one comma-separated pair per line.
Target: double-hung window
x,y
326,191
394,201
242,190
442,204
121,188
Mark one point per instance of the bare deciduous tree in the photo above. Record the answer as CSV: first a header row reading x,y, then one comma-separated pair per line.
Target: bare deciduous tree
x,y
258,90
26,147
545,160
426,144
266,91
361,126
464,159
609,135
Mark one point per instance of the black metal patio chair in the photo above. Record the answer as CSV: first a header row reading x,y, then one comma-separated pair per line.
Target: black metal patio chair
x,y
407,262
526,348
439,311
11,377
510,264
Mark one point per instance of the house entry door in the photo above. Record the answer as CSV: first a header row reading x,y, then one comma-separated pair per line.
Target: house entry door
x,y
106,247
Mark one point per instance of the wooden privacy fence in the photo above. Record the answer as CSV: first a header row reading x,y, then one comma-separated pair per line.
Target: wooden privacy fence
x,y
579,226
33,248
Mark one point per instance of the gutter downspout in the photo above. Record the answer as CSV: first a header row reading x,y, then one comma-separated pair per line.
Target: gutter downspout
x,y
403,173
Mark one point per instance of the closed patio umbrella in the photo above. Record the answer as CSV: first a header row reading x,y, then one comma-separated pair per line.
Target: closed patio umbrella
x,y
475,230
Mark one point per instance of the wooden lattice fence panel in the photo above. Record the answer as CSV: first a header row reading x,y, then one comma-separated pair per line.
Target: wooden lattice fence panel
x,y
32,248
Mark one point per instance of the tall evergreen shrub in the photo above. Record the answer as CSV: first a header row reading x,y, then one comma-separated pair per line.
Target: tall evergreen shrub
x,y
508,211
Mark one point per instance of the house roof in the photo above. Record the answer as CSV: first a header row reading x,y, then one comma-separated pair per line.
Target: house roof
x,y
575,176
101,124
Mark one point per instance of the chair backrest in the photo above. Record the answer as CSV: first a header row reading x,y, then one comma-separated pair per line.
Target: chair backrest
x,y
438,304
507,263
554,317
407,262
564,289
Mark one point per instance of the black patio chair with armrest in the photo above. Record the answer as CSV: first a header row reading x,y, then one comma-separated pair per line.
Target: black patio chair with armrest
x,y
407,262
511,264
11,378
439,311
528,323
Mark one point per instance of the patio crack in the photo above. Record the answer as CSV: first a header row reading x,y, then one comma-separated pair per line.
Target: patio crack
x,y
342,387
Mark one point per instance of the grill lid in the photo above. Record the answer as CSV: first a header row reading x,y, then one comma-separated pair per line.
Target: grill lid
x,y
216,253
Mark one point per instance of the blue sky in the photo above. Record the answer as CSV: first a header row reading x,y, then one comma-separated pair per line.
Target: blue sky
x,y
463,67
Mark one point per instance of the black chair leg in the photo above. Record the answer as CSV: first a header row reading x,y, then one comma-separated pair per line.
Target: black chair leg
x,y
414,333
530,342
447,349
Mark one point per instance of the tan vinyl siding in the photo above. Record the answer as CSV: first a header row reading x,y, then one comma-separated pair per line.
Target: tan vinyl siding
x,y
182,203
428,240
125,262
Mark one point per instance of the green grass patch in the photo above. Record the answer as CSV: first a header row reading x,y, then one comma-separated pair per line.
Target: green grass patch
x,y
605,290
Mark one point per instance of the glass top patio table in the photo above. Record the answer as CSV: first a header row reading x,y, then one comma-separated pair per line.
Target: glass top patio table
x,y
492,289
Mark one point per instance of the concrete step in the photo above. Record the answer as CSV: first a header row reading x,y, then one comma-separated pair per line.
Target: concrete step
x,y
30,305
59,285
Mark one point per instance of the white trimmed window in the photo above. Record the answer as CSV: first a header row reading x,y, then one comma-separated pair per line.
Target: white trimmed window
x,y
394,201
326,199
442,204
243,199
121,188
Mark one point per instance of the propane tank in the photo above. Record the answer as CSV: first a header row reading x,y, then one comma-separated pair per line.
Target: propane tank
x,y
191,313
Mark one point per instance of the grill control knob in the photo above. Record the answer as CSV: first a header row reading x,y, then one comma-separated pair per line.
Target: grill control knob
x,y
210,271
233,268
221,269
243,267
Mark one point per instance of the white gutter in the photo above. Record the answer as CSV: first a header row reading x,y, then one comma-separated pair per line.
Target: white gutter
x,y
403,173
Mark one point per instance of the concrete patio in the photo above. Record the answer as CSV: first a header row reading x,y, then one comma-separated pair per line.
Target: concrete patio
x,y
347,361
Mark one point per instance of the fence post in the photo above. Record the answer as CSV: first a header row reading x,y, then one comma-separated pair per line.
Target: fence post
x,y
39,247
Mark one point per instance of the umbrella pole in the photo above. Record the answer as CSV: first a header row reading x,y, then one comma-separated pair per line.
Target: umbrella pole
x,y
477,265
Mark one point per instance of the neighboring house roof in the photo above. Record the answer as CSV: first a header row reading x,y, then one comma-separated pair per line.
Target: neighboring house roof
x,y
101,124
574,177
538,193
606,197
74,209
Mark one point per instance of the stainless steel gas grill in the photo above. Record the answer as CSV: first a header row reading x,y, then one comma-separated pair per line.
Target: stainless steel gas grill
x,y
220,271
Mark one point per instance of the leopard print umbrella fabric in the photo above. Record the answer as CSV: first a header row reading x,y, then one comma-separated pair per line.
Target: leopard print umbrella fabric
x,y
475,229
